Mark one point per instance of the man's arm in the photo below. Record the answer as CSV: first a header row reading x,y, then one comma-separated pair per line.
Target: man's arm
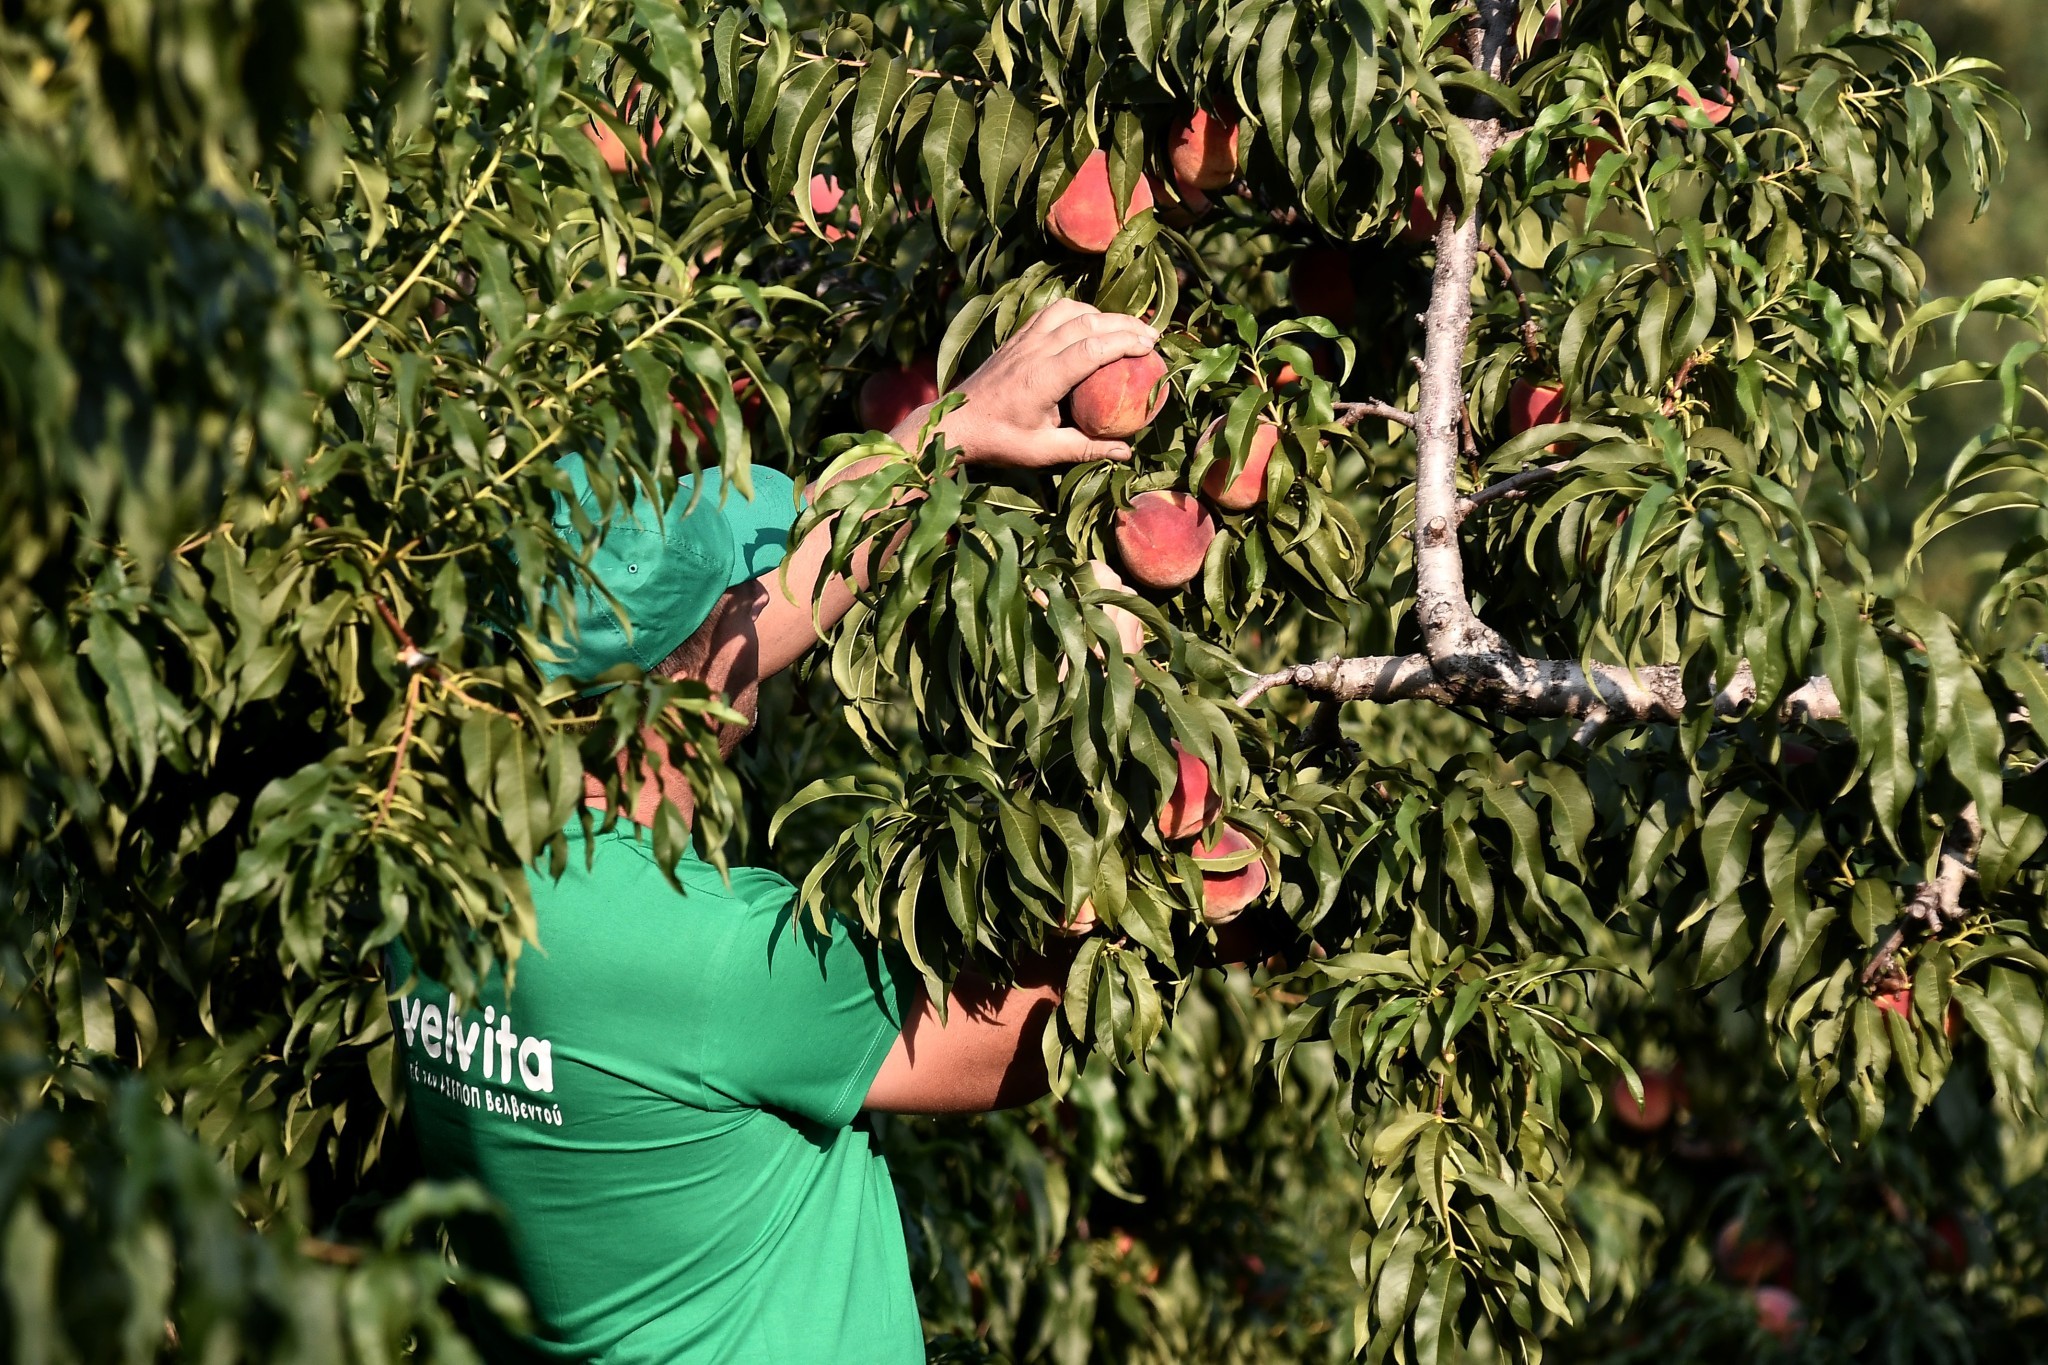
x,y
988,1053
1010,419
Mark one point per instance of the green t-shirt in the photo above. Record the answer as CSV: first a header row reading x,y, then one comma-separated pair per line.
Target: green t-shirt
x,y
663,1108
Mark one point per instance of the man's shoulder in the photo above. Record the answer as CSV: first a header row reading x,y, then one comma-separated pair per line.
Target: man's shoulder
x,y
623,860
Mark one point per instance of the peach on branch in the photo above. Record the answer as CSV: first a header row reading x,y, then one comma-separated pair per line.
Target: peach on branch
x,y
1587,159
1248,489
699,415
888,396
610,146
1660,1098
1717,111
1084,217
1421,227
1320,283
1534,405
1202,149
1778,1311
826,195
1322,359
1180,208
1948,1251
1226,895
1162,538
1130,631
1194,801
1121,398
1751,1260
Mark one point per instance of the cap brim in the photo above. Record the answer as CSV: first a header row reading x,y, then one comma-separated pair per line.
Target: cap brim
x,y
760,524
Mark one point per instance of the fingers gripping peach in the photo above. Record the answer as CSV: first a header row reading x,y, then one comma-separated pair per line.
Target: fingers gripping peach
x,y
1084,217
1162,538
1121,398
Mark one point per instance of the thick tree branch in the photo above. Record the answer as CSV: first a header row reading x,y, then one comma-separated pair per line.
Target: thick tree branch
x,y
1937,904
1521,688
1455,638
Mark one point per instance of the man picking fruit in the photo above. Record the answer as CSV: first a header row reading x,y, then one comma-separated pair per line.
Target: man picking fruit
x,y
665,1102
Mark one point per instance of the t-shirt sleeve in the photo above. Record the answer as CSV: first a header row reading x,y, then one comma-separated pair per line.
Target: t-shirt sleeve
x,y
803,1021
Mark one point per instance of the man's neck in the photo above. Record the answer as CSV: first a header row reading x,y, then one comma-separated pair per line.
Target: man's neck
x,y
660,782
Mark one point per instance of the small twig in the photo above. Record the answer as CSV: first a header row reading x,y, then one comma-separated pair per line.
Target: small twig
x,y
409,654
1513,488
1468,441
1350,414
447,235
863,63
329,1253
1936,904
1532,332
1679,381
412,702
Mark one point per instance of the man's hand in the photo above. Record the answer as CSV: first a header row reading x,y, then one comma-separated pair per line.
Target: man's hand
x,y
1011,418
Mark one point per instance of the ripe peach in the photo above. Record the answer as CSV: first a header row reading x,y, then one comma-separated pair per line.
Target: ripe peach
x,y
1084,217
889,396
1202,150
1179,208
1534,405
694,413
1949,1253
1194,802
1121,398
1130,631
1162,538
617,159
1751,1260
1421,226
1778,1311
1587,159
1716,111
1082,922
826,196
1553,25
1248,489
1320,283
1226,894
1322,359
1899,1000
1659,1099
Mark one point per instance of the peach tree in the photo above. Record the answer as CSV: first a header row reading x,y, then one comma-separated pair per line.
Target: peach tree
x,y
1488,608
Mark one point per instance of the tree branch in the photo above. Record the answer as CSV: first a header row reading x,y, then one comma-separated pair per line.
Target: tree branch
x,y
1532,333
1514,487
1454,636
1522,688
1350,414
1937,904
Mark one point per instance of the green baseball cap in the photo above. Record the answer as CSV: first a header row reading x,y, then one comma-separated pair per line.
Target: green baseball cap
x,y
659,572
